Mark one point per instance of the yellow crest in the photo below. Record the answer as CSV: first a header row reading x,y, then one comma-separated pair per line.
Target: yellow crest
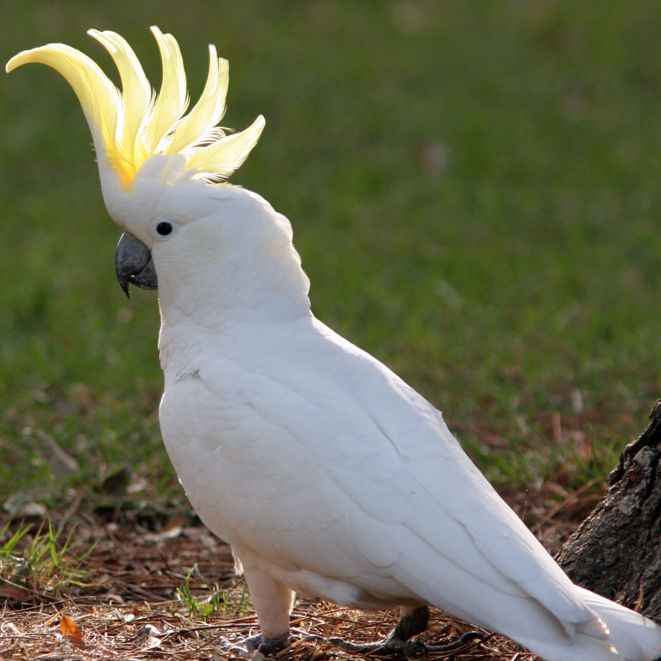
x,y
136,123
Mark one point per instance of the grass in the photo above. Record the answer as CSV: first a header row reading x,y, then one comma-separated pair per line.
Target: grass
x,y
474,189
41,559
215,600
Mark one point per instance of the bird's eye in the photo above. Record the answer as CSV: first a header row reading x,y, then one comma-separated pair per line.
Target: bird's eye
x,y
164,228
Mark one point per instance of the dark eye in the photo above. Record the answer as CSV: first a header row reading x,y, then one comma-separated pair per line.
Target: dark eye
x,y
164,228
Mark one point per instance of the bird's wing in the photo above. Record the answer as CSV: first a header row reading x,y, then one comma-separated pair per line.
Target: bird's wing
x,y
423,479
339,467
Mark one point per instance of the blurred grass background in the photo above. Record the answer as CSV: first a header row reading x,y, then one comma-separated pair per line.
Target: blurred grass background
x,y
474,189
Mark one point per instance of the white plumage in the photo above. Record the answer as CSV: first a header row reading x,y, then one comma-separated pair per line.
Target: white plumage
x,y
326,473
331,476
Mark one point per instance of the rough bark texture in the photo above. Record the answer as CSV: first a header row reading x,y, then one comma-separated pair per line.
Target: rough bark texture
x,y
616,551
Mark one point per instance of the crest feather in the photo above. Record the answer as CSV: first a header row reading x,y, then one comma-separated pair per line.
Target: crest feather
x,y
172,100
135,99
219,159
98,97
132,125
208,111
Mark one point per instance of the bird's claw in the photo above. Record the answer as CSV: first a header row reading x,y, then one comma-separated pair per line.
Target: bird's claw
x,y
254,647
253,643
269,646
462,643
394,646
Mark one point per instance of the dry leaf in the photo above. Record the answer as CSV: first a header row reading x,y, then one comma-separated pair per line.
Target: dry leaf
x,y
173,529
12,591
71,630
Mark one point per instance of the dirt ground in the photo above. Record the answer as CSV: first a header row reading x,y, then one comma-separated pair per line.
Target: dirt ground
x,y
128,606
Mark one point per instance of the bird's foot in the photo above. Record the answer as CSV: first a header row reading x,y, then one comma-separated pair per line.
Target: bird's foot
x,y
460,645
397,647
394,647
256,647
267,646
400,642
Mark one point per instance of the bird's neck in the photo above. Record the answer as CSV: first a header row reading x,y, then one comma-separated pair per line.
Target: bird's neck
x,y
232,290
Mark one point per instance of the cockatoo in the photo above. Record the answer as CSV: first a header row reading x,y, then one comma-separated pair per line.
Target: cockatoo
x,y
326,473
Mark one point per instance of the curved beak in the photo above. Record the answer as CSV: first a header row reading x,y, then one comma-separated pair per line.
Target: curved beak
x,y
134,265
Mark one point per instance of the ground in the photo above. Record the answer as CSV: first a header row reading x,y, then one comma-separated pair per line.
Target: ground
x,y
150,575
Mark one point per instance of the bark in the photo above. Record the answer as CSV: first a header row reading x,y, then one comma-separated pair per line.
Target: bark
x,y
616,551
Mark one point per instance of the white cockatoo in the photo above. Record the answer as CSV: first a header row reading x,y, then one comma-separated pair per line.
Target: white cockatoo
x,y
326,473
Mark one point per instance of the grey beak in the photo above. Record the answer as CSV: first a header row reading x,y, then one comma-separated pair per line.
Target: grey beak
x,y
134,265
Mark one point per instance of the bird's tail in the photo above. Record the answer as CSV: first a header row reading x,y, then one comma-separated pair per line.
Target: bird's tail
x,y
630,637
635,637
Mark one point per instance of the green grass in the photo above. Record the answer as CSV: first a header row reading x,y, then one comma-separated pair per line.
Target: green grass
x,y
42,559
474,189
227,602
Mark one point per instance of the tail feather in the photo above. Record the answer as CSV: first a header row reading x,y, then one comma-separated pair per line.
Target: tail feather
x,y
635,637
613,633
631,636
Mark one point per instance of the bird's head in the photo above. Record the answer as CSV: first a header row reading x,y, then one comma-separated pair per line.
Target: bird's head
x,y
157,164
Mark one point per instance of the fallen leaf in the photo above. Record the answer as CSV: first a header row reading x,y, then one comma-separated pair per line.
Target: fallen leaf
x,y
71,630
172,530
12,591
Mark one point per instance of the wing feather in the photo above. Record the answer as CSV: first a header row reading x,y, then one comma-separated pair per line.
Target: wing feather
x,y
353,473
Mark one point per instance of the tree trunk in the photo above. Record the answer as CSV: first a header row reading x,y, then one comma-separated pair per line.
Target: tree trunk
x,y
616,551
